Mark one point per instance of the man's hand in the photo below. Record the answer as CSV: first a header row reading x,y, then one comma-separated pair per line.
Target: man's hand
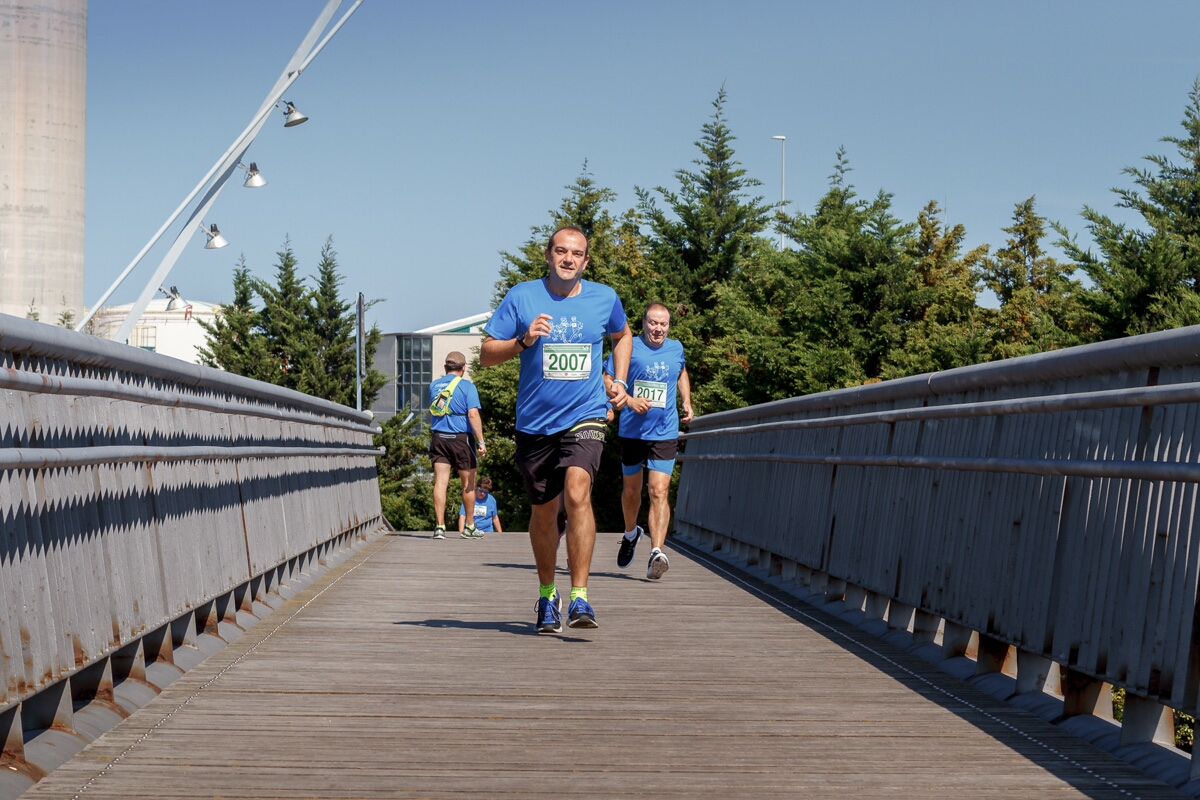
x,y
617,395
638,405
482,449
538,328
687,412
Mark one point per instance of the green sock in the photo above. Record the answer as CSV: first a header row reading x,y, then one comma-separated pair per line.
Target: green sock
x,y
471,528
578,593
547,590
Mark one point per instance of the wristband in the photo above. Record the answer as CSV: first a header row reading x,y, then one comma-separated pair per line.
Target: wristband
x,y
624,385
480,443
521,343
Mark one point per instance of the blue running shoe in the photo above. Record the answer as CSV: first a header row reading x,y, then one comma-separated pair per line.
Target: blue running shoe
x,y
549,614
581,614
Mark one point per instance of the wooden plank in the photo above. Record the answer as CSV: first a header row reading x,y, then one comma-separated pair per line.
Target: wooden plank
x,y
413,669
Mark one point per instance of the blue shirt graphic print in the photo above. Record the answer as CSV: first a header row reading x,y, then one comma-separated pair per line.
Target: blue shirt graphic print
x,y
546,405
465,397
653,373
483,513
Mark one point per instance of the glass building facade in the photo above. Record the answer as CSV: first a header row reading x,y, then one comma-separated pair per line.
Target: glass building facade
x,y
414,370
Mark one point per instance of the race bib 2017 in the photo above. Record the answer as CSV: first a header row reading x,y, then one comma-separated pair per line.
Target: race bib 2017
x,y
654,391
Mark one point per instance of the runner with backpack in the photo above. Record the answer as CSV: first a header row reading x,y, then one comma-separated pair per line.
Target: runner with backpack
x,y
454,437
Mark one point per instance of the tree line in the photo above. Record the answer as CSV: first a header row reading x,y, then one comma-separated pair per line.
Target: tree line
x,y
293,335
858,295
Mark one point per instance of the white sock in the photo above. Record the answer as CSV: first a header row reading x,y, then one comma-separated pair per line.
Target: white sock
x,y
631,535
654,550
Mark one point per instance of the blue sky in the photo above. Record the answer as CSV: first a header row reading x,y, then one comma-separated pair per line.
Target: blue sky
x,y
440,133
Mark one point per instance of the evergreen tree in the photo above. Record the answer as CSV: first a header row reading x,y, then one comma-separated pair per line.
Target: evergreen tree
x,y
329,371
233,343
855,261
1041,306
711,224
941,327
283,321
1148,280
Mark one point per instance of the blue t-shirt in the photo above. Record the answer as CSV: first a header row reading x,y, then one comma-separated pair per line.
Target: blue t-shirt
x,y
465,397
483,513
561,383
653,374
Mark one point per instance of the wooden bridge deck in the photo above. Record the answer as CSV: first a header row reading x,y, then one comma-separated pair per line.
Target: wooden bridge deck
x,y
413,670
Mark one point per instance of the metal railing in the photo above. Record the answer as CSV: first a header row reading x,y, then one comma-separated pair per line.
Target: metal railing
x,y
147,501
1045,503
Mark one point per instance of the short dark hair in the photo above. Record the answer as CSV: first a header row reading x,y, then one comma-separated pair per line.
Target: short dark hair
x,y
586,243
484,483
655,305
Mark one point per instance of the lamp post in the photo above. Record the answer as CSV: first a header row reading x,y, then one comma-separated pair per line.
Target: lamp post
x,y
782,178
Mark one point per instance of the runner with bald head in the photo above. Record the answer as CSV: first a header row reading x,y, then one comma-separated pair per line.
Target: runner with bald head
x,y
649,433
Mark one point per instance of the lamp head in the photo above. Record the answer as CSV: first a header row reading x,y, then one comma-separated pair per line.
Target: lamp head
x,y
215,239
291,115
254,178
780,138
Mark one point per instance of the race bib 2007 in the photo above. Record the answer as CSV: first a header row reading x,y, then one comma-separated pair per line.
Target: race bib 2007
x,y
566,362
654,391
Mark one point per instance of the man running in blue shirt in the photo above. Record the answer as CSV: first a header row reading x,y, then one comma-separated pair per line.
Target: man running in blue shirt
x,y
454,404
557,326
649,433
487,520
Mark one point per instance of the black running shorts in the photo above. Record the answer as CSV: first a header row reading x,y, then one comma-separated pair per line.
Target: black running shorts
x,y
543,458
455,449
635,452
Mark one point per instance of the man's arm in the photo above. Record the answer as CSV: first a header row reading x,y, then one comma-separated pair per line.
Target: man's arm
x,y
621,353
477,428
685,394
496,523
462,522
497,351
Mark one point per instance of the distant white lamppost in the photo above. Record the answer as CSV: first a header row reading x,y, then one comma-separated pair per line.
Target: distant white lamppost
x,y
782,179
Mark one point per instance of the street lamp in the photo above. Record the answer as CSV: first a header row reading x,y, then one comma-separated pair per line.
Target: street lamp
x,y
782,179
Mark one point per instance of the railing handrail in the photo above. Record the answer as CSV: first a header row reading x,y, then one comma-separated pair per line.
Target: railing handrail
x,y
1077,401
48,341
1160,349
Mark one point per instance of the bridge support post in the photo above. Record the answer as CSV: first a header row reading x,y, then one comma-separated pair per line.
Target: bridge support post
x,y
855,598
995,656
925,627
1083,694
1147,720
12,737
1036,673
958,640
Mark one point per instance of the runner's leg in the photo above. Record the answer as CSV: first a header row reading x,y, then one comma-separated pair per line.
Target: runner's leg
x,y
581,525
467,476
631,498
543,536
441,480
660,511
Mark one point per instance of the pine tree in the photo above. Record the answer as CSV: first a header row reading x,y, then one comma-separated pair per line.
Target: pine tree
x,y
1148,280
283,321
233,342
712,224
1041,306
941,327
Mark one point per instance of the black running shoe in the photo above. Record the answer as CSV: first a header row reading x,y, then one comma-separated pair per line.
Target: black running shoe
x,y
628,546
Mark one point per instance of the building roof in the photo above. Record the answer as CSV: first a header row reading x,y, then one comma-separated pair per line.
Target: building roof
x,y
472,324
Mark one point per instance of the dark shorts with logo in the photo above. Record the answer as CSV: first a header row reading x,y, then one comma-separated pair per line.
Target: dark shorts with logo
x,y
543,458
455,449
639,451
